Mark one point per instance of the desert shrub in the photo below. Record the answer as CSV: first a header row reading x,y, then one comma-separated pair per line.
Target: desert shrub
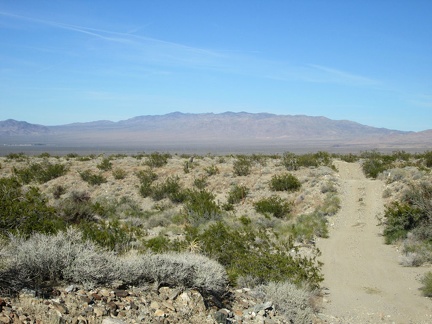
x,y
273,205
242,166
146,178
170,188
119,174
157,160
76,208
200,183
292,161
413,213
92,178
250,251
426,280
54,258
400,218
284,182
375,163
308,226
211,170
330,205
105,165
237,194
19,157
72,155
427,157
292,302
200,206
351,158
329,186
40,172
113,235
176,269
158,244
58,191
25,210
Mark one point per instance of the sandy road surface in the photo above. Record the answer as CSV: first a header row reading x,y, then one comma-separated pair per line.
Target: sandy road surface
x,y
365,282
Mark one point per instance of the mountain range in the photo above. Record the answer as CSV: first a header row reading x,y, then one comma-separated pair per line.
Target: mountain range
x,y
253,131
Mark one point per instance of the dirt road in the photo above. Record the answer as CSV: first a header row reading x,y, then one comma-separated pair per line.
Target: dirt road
x,y
365,282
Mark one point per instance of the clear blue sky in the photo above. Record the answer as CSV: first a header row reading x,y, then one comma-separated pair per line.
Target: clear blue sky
x,y
368,61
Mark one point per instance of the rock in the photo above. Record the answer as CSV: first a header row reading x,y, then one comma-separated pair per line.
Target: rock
x,y
121,293
159,313
112,306
99,311
221,316
61,308
154,305
96,296
5,319
110,320
70,288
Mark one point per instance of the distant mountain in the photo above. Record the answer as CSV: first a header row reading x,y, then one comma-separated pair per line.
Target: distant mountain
x,y
225,129
12,127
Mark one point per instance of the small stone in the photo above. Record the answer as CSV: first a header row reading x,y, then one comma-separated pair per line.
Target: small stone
x,y
104,292
121,293
70,288
221,316
110,320
61,308
154,305
99,311
5,319
112,307
159,313
96,296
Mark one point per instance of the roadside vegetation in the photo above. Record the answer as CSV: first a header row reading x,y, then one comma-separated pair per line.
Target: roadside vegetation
x,y
206,222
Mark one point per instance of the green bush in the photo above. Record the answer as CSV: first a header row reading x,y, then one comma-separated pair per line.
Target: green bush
x,y
105,165
119,174
76,208
25,211
242,166
201,182
426,280
292,161
237,194
200,207
40,172
157,160
308,226
171,189
284,182
400,218
248,251
112,235
92,178
273,205
212,170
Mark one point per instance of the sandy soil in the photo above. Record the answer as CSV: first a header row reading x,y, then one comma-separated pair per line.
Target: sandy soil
x,y
364,281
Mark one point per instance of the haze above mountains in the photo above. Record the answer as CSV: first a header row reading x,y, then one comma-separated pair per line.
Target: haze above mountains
x,y
210,132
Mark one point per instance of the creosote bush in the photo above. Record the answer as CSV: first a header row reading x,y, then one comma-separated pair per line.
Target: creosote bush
x,y
92,178
40,172
105,164
250,251
285,182
242,166
273,205
157,160
237,194
25,210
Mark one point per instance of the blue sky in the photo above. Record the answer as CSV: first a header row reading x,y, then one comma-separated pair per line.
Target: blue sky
x,y
368,61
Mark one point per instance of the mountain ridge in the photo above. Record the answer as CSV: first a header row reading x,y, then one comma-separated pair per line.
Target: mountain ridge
x,y
226,128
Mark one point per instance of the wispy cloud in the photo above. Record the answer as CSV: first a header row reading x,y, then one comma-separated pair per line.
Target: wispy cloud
x,y
333,75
